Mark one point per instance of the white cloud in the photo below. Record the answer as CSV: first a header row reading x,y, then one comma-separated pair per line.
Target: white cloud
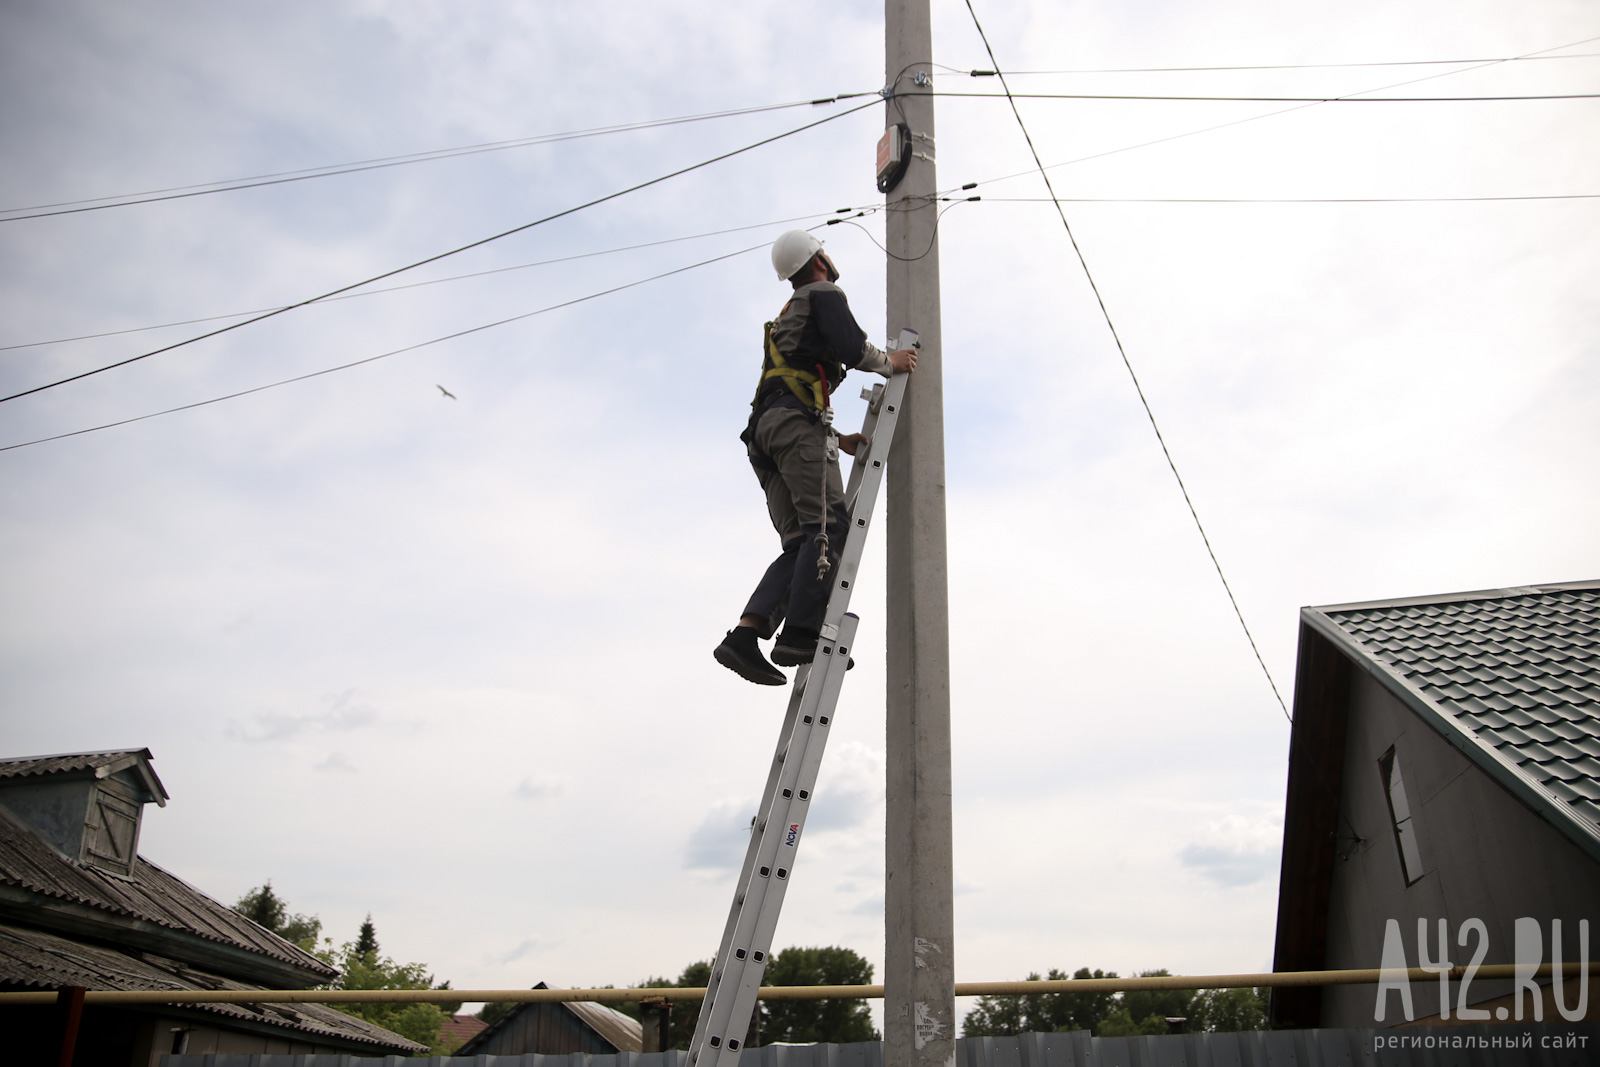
x,y
335,761
1236,850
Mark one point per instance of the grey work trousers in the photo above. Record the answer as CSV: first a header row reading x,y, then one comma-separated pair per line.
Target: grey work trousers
x,y
797,445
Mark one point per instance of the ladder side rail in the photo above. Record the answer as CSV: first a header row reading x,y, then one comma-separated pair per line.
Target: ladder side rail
x,y
762,889
871,481
883,399
790,829
791,716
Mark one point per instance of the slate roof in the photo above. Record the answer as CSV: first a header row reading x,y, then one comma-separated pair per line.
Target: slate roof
x,y
97,764
1510,676
151,895
34,959
624,1033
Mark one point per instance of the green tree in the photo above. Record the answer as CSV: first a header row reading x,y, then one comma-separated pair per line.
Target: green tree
x,y
1146,1011
367,939
686,1013
267,910
1142,1005
832,1020
1006,1016
1121,1024
366,969
1228,1010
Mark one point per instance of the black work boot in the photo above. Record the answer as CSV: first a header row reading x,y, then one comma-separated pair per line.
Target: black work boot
x,y
741,655
795,646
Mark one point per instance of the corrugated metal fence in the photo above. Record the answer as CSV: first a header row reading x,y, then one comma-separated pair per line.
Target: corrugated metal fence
x,y
1533,1045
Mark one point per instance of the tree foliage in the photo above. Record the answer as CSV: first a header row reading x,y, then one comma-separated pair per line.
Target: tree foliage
x,y
1228,1010
778,1020
1137,1011
367,938
267,910
1042,1013
817,1020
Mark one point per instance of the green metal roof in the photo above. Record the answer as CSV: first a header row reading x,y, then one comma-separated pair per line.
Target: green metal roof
x,y
1511,677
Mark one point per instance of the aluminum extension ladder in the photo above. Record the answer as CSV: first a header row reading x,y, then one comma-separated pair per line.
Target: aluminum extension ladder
x,y
775,836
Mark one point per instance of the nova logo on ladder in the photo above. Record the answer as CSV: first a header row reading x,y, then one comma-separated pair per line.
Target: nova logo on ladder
x,y
794,834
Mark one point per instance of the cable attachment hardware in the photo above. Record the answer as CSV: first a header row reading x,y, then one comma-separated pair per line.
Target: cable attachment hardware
x,y
921,78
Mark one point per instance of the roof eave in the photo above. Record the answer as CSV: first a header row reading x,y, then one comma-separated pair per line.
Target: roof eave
x,y
1505,772
30,908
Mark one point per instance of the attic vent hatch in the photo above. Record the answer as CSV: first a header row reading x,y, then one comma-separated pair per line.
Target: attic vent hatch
x,y
1405,832
111,832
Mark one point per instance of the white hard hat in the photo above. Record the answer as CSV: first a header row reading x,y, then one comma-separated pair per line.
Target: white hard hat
x,y
794,250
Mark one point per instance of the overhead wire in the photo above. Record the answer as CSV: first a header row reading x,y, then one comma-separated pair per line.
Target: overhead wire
x,y
443,255
1271,99
432,281
1281,111
1280,66
384,355
933,238
1284,200
178,192
1127,363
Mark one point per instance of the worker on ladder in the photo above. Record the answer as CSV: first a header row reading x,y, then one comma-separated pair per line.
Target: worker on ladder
x,y
794,449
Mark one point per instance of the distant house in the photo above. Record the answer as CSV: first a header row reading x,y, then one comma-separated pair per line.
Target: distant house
x,y
1444,765
459,1028
557,1028
80,907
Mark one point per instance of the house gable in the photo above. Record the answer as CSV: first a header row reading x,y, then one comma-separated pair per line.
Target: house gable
x,y
1489,705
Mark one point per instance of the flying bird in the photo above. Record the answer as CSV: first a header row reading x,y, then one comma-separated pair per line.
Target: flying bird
x,y
445,391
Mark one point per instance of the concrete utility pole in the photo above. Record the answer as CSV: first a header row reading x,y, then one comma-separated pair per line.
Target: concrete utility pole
x,y
919,960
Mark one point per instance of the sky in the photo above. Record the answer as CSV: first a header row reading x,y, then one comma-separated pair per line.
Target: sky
x,y
446,659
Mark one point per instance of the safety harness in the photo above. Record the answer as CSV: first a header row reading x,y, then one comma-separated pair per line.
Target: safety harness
x,y
811,389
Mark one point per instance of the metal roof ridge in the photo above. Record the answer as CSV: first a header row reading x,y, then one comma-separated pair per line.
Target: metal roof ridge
x,y
1518,782
1462,597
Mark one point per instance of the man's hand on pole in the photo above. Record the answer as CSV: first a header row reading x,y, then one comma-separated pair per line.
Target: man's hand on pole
x,y
903,360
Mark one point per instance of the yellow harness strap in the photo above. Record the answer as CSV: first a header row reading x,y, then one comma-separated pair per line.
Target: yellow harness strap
x,y
816,397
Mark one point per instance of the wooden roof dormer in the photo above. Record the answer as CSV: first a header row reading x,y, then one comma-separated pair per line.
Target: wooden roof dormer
x,y
88,806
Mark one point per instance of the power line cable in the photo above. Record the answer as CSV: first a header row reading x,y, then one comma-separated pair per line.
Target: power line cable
x,y
1278,66
1282,200
178,192
442,255
436,281
1123,352
1271,99
383,355
1281,111
933,238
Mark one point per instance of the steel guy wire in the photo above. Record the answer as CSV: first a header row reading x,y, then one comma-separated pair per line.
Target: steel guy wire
x,y
385,355
1238,613
179,192
441,281
1123,352
443,255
